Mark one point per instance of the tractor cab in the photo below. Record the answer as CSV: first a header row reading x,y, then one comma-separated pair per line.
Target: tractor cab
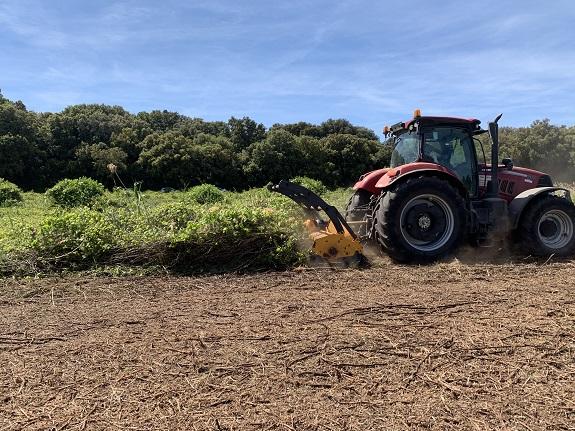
x,y
443,141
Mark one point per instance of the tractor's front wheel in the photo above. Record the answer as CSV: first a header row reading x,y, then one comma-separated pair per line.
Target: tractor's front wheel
x,y
420,219
548,227
357,208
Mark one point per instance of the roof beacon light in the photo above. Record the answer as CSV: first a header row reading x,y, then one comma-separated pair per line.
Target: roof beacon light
x,y
417,113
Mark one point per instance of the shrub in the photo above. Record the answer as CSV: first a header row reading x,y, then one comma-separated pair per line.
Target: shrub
x,y
315,186
76,234
206,194
74,193
121,198
264,198
174,216
10,194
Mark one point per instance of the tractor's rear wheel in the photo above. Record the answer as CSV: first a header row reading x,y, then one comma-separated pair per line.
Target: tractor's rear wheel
x,y
548,227
420,219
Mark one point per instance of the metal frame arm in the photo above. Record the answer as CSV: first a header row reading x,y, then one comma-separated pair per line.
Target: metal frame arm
x,y
312,203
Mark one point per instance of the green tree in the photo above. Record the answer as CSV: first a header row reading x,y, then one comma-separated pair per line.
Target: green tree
x,y
167,159
171,159
16,152
347,157
161,121
76,126
314,158
541,146
21,145
191,127
217,162
301,129
329,127
277,157
245,131
344,127
98,157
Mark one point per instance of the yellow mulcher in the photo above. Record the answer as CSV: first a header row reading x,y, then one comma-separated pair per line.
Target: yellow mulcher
x,y
333,240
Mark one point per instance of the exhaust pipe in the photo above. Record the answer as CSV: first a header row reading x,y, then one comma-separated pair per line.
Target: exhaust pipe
x,y
494,135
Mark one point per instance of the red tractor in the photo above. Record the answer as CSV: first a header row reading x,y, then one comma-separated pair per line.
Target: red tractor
x,y
438,192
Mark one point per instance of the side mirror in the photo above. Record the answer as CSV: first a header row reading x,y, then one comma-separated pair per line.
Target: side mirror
x,y
508,163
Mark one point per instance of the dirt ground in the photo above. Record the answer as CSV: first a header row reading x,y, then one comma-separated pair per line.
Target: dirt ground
x,y
448,346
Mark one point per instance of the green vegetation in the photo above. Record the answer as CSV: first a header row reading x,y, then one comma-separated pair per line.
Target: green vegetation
x,y
84,151
10,194
75,193
19,223
252,230
542,146
314,185
165,149
77,234
206,194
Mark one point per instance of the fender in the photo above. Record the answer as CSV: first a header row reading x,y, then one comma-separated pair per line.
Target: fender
x,y
369,180
520,202
394,174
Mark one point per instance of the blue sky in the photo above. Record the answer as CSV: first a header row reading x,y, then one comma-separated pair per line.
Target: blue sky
x,y
371,62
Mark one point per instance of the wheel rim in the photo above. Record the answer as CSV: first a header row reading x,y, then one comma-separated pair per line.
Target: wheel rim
x,y
555,229
427,222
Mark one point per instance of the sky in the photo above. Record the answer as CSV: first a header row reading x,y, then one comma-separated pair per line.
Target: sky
x,y
372,62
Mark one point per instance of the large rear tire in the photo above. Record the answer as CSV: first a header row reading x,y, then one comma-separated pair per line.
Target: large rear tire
x,y
420,219
547,227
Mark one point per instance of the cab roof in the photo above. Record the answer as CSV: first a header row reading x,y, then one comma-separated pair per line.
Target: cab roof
x,y
469,122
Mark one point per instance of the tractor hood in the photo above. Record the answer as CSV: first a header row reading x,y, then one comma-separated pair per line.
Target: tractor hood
x,y
514,180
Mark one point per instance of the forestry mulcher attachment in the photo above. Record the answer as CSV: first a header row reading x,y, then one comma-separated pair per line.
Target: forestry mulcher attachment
x,y
436,194
334,241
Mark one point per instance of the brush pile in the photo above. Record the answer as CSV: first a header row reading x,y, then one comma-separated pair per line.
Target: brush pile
x,y
201,230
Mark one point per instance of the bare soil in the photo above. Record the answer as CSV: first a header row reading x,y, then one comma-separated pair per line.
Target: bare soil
x,y
448,346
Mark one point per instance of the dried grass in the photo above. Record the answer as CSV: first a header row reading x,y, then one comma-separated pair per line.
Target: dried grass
x,y
449,346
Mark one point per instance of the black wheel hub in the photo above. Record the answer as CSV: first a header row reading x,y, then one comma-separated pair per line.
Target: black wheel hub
x,y
548,228
425,222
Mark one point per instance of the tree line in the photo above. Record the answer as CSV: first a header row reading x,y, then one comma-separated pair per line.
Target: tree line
x,y
167,149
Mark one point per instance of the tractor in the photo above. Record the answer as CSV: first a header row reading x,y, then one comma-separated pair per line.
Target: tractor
x,y
438,192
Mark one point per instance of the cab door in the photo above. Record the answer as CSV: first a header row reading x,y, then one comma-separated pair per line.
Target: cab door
x,y
453,148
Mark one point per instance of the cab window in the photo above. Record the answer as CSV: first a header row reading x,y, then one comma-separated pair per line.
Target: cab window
x,y
452,148
406,149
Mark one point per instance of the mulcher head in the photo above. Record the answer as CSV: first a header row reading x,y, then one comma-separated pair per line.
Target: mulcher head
x,y
333,241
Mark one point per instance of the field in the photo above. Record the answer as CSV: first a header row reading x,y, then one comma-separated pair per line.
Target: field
x,y
479,341
457,345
